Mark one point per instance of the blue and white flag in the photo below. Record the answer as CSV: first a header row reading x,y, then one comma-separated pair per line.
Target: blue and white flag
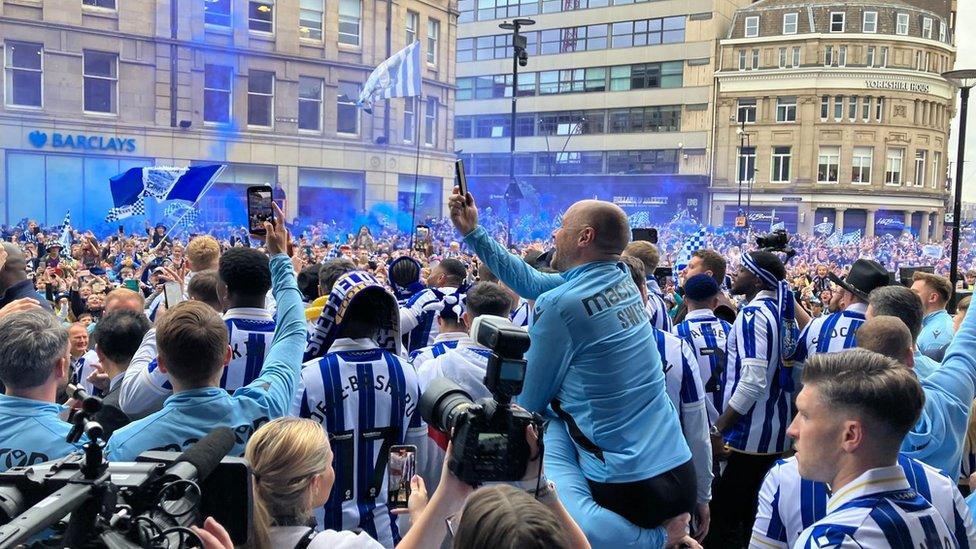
x,y
692,245
834,240
398,76
65,239
932,250
130,189
852,237
823,228
781,226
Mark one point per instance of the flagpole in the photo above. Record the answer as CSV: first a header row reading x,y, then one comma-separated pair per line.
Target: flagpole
x,y
416,173
193,206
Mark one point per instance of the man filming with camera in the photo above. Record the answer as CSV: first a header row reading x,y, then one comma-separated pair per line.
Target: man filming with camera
x,y
593,360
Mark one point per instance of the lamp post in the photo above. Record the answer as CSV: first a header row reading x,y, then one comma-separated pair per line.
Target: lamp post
x,y
743,171
965,79
520,57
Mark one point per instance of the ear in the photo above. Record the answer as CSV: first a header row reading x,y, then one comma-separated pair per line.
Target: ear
x,y
229,355
853,436
62,368
467,319
101,355
910,358
161,364
586,236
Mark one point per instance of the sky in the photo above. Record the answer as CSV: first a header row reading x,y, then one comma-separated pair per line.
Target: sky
x,y
966,59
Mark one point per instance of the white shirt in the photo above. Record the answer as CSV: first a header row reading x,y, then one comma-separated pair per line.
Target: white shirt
x,y
287,537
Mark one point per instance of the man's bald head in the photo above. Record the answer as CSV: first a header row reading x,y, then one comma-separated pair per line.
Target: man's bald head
x,y
886,335
609,222
124,299
15,268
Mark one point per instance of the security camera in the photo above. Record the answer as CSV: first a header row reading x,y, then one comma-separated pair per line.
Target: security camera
x,y
523,58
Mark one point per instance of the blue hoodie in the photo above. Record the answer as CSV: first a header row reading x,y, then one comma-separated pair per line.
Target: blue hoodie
x,y
31,431
593,358
188,416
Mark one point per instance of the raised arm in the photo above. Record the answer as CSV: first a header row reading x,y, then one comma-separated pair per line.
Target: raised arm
x,y
546,357
143,389
510,269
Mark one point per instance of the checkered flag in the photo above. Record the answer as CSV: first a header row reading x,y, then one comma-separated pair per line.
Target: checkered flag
x,y
115,214
692,245
334,251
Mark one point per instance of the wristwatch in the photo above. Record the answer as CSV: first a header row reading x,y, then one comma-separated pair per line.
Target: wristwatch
x,y
714,432
546,489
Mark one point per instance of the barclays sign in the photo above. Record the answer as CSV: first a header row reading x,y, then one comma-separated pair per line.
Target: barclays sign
x,y
81,142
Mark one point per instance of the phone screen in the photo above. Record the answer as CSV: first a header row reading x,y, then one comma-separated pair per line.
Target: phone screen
x,y
132,284
258,208
400,469
172,294
462,181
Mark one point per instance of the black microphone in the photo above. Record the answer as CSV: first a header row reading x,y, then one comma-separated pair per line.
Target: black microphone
x,y
199,460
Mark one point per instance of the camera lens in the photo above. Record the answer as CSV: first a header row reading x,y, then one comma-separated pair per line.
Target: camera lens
x,y
441,401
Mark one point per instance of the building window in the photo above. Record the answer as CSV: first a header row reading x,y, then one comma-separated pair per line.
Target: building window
x,y
347,114
920,157
24,74
937,169
796,56
870,24
260,15
828,164
410,118
782,58
893,166
217,12
842,56
747,164
824,107
746,111
648,32
260,98
413,21
433,36
837,19
101,75
781,164
309,103
430,122
106,4
918,60
866,110
786,109
942,32
884,56
790,23
870,59
927,27
752,27
217,81
852,108
879,109
463,126
742,60
828,56
839,108
861,165
901,26
755,58
350,15
310,17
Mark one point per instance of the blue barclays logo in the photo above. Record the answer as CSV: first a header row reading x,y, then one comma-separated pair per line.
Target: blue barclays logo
x,y
58,140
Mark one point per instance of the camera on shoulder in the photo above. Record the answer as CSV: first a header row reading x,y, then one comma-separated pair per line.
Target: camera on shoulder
x,y
488,434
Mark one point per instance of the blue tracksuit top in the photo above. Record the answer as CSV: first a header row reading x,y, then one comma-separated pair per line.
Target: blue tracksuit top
x,y
594,359
937,439
31,432
188,416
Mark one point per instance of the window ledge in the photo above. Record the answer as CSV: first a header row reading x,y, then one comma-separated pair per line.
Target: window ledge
x,y
101,114
311,42
260,128
217,29
25,108
261,35
310,132
349,48
344,135
110,13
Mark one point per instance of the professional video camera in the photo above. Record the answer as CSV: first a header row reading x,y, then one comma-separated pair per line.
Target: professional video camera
x,y
489,435
147,504
776,241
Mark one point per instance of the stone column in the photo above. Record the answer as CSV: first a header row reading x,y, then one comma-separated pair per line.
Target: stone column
x,y
923,231
869,226
908,219
839,219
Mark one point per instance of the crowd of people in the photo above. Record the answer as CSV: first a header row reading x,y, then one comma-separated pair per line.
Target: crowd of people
x,y
740,398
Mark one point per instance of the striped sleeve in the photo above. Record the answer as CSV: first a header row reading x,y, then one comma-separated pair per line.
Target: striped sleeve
x,y
769,530
752,337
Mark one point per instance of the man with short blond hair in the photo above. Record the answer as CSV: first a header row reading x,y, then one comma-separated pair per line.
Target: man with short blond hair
x,y
936,334
657,308
203,252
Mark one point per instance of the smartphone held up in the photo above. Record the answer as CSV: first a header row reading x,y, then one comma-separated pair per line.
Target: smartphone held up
x,y
259,208
401,467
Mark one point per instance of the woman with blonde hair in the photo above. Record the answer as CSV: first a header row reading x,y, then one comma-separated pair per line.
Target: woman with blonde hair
x,y
291,463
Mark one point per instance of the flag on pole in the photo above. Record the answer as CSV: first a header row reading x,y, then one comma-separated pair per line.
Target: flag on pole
x,y
65,240
398,76
130,189
823,228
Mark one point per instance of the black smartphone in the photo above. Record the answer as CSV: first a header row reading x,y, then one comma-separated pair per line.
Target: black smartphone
x,y
647,235
462,182
400,469
259,208
121,229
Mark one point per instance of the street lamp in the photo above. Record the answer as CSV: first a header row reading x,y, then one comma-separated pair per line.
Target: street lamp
x,y
520,57
965,79
743,167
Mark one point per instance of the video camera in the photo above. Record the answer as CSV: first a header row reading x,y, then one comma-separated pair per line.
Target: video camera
x,y
489,435
776,241
147,504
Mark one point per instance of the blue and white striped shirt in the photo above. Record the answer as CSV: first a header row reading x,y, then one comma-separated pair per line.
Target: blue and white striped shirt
x,y
522,313
685,390
830,334
707,336
366,400
789,504
755,383
657,309
418,327
421,358
878,509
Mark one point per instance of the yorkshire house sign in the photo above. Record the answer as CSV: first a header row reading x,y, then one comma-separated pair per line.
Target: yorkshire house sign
x,y
895,85
81,142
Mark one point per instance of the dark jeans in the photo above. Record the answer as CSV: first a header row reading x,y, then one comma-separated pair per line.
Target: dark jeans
x,y
735,497
649,502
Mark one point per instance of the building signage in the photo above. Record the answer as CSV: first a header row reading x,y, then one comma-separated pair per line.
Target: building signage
x,y
895,85
81,142
640,200
890,223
